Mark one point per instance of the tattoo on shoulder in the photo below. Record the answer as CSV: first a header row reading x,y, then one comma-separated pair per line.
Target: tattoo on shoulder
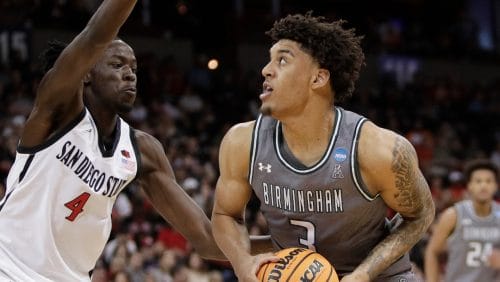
x,y
403,159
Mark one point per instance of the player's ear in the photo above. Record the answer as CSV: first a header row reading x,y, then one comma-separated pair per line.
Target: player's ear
x,y
321,78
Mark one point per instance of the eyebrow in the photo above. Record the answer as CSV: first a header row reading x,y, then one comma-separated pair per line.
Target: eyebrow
x,y
285,51
123,58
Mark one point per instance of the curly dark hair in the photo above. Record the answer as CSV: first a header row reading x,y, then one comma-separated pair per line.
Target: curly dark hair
x,y
336,49
472,166
49,55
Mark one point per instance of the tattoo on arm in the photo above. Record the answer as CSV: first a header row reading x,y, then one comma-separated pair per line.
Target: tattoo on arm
x,y
406,176
415,202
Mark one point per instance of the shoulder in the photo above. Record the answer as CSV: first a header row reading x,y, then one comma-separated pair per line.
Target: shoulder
x,y
449,214
386,159
380,146
151,150
239,135
235,149
146,142
448,219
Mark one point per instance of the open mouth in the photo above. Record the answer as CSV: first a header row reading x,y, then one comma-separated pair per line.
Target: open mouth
x,y
266,90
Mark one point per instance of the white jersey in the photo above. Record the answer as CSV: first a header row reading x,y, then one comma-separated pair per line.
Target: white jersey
x,y
55,218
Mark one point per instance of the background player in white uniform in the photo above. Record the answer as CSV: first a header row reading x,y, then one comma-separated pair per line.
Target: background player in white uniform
x,y
469,231
76,154
312,64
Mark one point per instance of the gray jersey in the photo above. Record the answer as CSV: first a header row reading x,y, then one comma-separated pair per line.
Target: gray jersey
x,y
325,207
470,244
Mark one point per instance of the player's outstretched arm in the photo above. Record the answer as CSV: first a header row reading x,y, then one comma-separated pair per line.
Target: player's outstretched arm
x,y
389,166
437,243
232,195
181,211
59,98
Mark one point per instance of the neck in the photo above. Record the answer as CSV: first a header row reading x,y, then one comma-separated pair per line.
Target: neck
x,y
309,133
482,209
310,128
105,121
104,117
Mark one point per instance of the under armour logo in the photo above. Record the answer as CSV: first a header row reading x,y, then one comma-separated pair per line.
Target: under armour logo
x,y
266,167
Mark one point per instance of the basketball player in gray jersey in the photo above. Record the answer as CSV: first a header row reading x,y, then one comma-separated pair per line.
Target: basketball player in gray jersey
x,y
325,176
469,231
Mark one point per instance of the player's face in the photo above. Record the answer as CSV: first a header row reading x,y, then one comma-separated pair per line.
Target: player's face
x,y
288,77
482,185
113,79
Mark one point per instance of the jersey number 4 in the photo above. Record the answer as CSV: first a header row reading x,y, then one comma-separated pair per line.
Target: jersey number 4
x,y
76,205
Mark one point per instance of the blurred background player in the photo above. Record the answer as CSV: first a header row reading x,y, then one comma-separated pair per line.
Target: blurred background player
x,y
469,231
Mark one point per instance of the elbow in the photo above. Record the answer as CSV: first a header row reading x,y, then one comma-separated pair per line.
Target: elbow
x,y
205,244
426,213
209,251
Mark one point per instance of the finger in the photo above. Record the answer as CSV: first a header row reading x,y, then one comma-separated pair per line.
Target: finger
x,y
273,258
265,258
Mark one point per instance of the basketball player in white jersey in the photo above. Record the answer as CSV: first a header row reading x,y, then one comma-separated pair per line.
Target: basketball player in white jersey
x,y
325,176
469,231
76,154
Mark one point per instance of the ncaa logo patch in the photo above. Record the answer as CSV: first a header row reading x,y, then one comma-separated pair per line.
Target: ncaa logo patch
x,y
340,154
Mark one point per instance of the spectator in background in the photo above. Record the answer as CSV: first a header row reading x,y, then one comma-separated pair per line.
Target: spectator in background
x,y
167,261
495,154
197,269
423,141
135,268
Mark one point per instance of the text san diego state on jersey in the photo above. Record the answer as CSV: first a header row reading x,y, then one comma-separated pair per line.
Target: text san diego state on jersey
x,y
56,215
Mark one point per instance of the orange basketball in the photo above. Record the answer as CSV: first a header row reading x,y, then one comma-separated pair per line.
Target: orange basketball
x,y
298,264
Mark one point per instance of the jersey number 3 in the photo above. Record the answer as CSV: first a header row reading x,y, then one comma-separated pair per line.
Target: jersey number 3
x,y
310,239
76,205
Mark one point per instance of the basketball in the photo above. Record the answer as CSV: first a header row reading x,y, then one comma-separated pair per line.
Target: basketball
x,y
298,264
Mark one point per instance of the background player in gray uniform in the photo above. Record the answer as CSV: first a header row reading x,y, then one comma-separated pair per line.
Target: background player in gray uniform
x,y
97,72
469,231
293,162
